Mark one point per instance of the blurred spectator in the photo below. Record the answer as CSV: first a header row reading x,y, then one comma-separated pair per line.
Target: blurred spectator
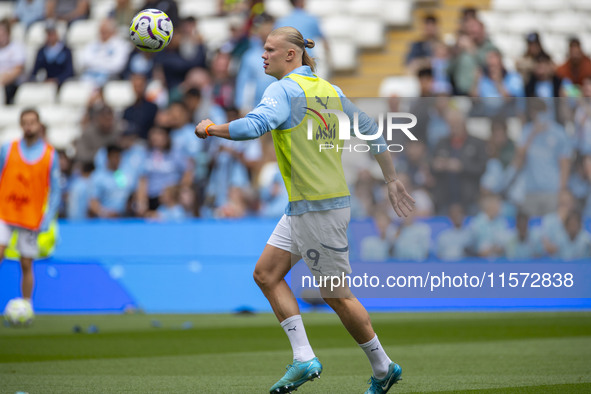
x,y
54,59
133,156
544,154
169,7
440,65
421,51
272,191
141,114
412,240
28,12
169,209
102,130
139,62
521,243
488,229
122,14
546,84
437,127
420,106
477,32
553,228
192,45
578,66
109,188
463,68
79,194
415,164
201,108
577,244
309,26
67,10
171,65
164,167
65,180
582,120
12,61
501,151
458,163
223,83
252,80
467,15
452,243
377,247
496,81
525,64
106,57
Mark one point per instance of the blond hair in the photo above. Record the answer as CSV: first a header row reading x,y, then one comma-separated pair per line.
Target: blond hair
x,y
294,37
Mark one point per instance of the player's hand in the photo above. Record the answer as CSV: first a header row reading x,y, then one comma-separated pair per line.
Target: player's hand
x,y
401,201
200,128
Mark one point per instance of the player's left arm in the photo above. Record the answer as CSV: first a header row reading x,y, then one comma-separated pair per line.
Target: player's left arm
x,y
54,193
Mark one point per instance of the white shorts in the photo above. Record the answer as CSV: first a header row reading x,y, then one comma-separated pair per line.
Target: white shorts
x,y
319,237
26,243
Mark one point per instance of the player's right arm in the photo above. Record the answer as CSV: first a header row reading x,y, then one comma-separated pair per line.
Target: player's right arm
x,y
272,111
3,156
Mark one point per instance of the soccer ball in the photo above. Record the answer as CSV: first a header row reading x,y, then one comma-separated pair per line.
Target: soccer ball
x,y
19,312
150,30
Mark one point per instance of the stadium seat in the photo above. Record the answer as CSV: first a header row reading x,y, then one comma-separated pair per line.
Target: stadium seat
x,y
10,116
343,55
493,21
60,115
339,26
510,45
36,35
197,8
81,33
514,128
2,97
101,9
35,93
581,5
401,86
322,8
17,32
397,13
75,93
215,31
62,137
119,94
479,127
10,134
547,5
374,8
373,33
567,22
523,23
508,5
278,8
556,45
6,9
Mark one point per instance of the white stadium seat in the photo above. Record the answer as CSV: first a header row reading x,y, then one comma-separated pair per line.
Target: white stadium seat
x,y
36,93
10,134
493,21
278,8
581,5
555,44
567,22
479,127
2,98
524,22
101,9
373,33
10,116
324,8
547,5
59,115
339,26
508,5
36,35
198,8
343,55
401,86
374,8
397,13
62,137
215,31
82,32
119,94
6,9
17,32
75,93
510,45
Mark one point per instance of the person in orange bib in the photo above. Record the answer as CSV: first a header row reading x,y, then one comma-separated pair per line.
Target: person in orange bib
x,y
29,193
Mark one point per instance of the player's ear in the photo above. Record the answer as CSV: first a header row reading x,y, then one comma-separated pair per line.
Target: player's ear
x,y
291,54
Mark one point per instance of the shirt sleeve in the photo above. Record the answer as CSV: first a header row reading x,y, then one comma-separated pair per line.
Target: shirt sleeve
x,y
3,156
54,192
367,126
272,111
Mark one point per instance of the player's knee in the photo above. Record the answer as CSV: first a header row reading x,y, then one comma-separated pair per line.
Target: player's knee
x,y
261,278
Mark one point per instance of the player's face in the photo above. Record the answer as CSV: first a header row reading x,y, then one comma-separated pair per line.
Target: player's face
x,y
274,57
31,125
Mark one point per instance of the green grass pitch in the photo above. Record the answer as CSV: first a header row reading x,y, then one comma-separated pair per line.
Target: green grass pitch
x,y
438,352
